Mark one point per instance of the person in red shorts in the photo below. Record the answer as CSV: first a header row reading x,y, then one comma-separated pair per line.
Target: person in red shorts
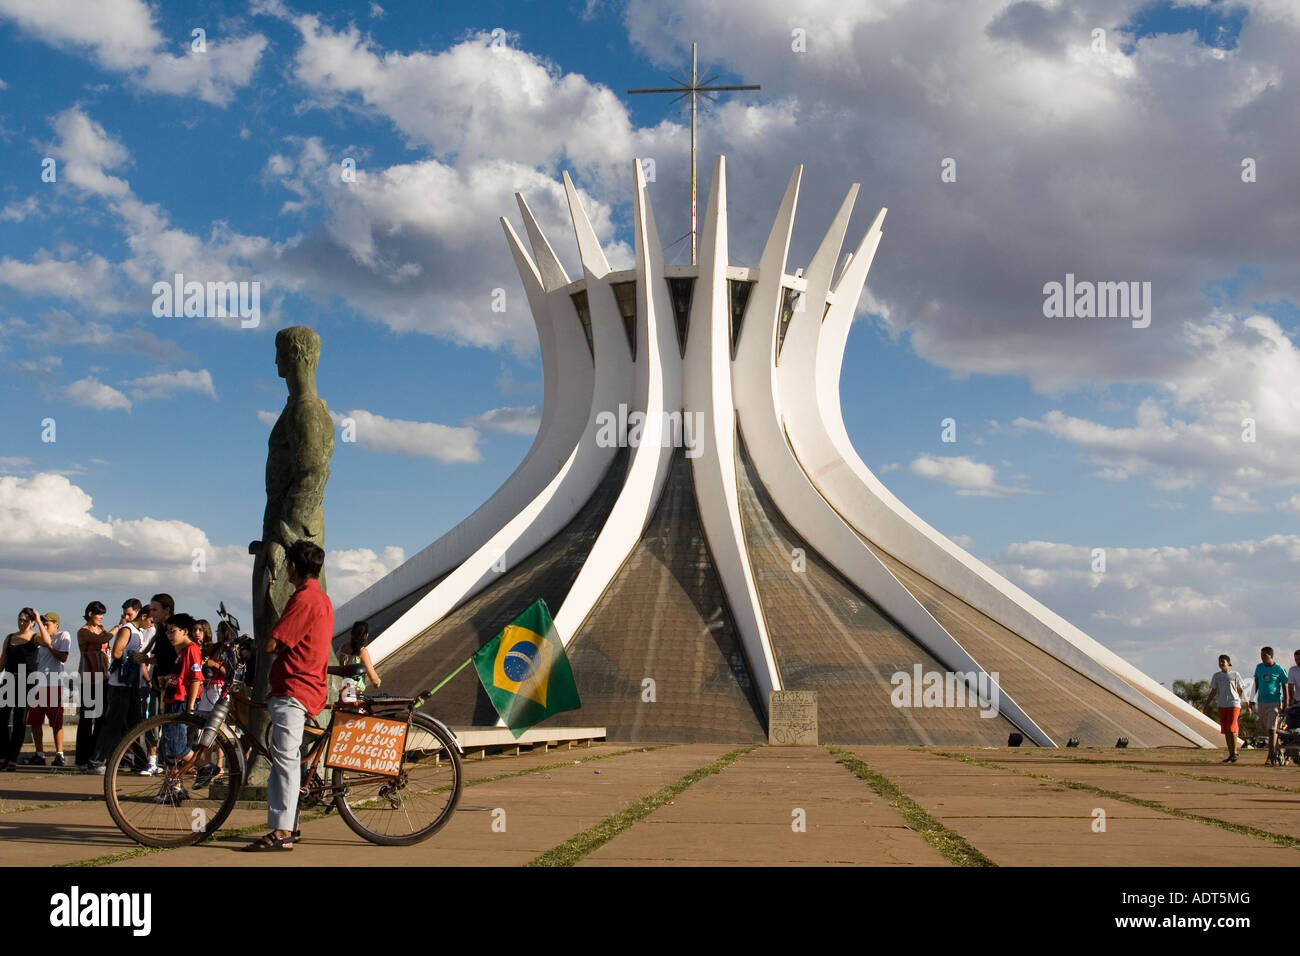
x,y
1227,690
53,647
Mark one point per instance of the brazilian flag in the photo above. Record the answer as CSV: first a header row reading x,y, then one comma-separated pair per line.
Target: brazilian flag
x,y
525,672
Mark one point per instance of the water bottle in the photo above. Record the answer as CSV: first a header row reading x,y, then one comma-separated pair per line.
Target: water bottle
x,y
215,719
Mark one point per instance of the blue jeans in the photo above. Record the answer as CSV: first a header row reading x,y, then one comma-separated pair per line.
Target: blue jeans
x,y
175,737
287,720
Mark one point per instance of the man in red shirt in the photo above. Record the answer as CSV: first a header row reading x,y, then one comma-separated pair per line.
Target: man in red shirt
x,y
301,643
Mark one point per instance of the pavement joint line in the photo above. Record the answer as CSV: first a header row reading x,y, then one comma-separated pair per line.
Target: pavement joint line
x,y
1279,839
952,846
572,850
224,835
1206,778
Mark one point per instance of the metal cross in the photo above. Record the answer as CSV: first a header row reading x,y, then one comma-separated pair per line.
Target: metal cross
x,y
694,89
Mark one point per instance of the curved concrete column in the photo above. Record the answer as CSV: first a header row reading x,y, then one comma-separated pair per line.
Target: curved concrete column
x,y
566,392
815,424
566,360
798,500
658,381
577,478
706,392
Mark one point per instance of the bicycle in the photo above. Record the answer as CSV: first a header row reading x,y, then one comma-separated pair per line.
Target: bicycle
x,y
395,798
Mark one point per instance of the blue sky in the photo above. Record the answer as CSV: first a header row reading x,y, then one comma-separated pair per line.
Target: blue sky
x,y
1113,164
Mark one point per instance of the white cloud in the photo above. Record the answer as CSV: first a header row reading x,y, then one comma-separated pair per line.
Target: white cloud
x,y
8,462
41,367
89,392
1170,610
349,572
51,541
158,249
88,281
1234,502
1231,420
417,246
19,210
167,384
512,420
968,476
444,443
376,10
121,36
60,328
1291,506
1061,158
473,100
92,393
85,151
43,509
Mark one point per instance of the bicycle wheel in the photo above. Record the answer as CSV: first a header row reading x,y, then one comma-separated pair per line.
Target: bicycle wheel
x,y
176,806
415,805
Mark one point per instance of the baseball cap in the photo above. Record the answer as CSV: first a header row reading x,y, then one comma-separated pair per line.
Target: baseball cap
x,y
51,617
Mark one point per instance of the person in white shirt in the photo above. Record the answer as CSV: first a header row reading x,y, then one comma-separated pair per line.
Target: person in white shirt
x,y
53,647
1227,690
126,684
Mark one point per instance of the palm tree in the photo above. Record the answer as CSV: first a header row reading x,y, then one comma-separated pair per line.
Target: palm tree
x,y
1196,693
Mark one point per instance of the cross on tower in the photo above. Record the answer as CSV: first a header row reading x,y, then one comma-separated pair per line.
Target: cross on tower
x,y
694,89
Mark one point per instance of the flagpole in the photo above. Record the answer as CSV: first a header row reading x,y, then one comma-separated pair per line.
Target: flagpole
x,y
430,693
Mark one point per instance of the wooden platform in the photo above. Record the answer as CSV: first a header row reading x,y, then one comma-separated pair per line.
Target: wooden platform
x,y
477,741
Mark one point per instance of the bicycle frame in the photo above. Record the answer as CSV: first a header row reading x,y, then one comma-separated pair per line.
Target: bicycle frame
x,y
312,758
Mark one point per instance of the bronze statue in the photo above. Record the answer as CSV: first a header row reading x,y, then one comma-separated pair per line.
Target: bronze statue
x,y
297,467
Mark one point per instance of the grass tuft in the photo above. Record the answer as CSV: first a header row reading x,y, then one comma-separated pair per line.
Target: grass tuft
x,y
575,848
1279,839
952,846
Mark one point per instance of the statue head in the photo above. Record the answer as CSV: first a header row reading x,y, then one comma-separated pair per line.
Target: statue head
x,y
297,353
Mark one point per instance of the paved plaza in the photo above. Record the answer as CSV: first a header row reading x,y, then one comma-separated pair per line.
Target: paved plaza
x,y
720,804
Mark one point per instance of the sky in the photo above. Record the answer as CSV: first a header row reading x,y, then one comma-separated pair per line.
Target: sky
x,y
1015,144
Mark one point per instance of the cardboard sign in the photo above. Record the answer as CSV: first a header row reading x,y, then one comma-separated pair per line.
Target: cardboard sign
x,y
370,744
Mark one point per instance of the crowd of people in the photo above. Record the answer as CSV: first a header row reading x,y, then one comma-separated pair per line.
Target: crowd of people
x,y
152,661
155,660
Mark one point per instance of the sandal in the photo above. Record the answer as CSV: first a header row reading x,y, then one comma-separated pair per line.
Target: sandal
x,y
269,842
